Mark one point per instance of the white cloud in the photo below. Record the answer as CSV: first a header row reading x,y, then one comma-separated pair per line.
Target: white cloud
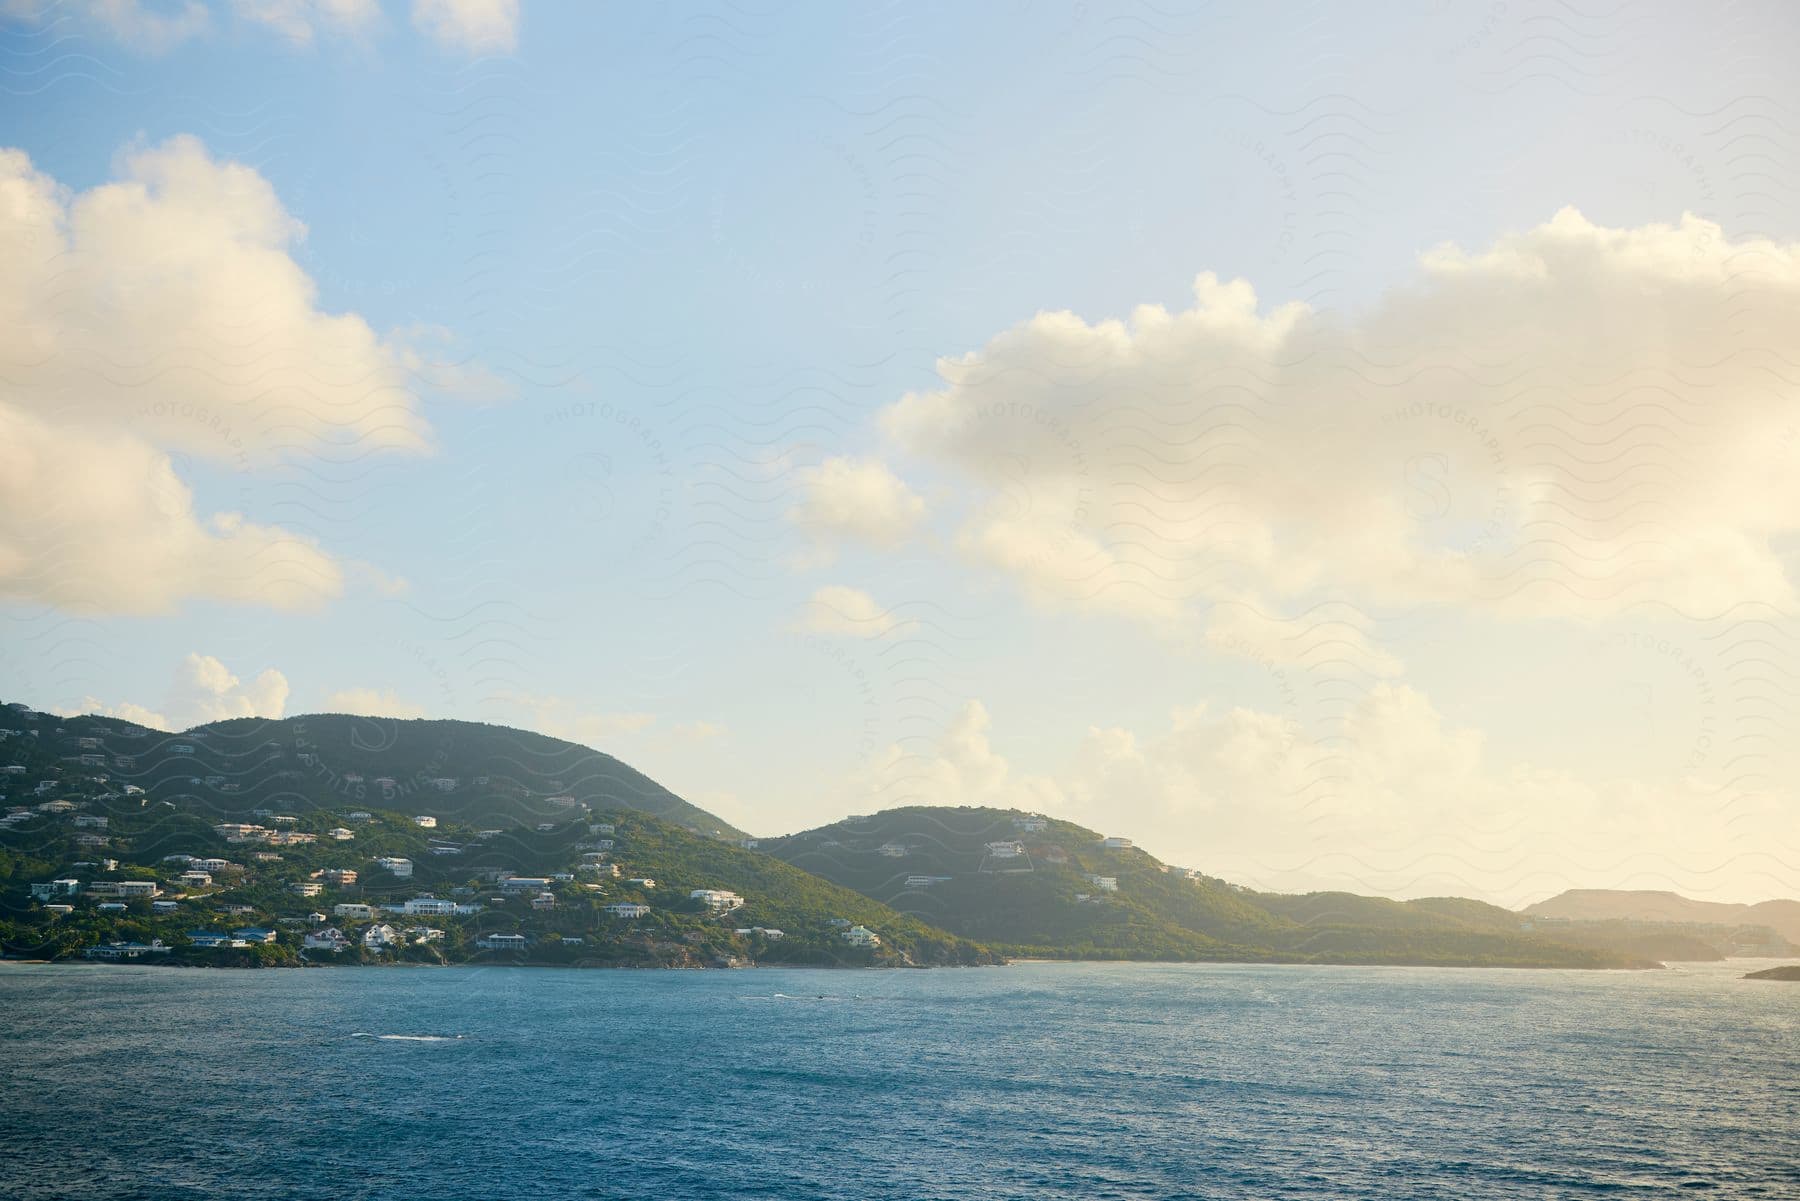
x,y
372,702
857,500
1576,421
470,26
163,313
158,26
204,690
837,609
300,20
92,521
154,28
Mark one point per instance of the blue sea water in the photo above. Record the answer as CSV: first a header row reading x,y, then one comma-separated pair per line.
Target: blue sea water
x,y
1033,1081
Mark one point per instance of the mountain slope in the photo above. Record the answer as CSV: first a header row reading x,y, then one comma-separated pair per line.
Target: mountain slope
x,y
292,868
495,773
1607,904
1065,894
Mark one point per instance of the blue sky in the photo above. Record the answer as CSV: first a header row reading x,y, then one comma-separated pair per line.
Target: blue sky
x,y
656,269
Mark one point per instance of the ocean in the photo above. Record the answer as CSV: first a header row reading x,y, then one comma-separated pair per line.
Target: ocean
x,y
1037,1080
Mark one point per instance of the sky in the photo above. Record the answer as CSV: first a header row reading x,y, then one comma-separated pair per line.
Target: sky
x,y
1338,449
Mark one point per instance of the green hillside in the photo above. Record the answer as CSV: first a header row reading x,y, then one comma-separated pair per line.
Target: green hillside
x,y
88,822
952,868
459,769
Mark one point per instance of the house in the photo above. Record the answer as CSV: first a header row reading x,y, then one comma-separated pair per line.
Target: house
x,y
1105,883
123,888
544,900
861,936
760,932
428,907
360,816
363,911
339,834
518,884
316,918
502,942
380,938
91,821
195,879
112,907
338,877
1005,850
306,888
402,868
254,934
208,938
329,939
718,900
601,828
1032,823
642,882
59,910
628,909
115,952
55,888
1115,843
164,906
240,910
423,934
425,822
892,850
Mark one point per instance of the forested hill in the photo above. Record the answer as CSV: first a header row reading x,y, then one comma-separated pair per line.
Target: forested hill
x,y
480,773
1032,885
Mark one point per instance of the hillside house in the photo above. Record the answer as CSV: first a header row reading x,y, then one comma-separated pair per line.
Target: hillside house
x,y
503,942
329,939
628,909
861,936
717,900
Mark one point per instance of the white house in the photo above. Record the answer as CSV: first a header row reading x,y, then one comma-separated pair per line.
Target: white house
x,y
428,907
716,899
642,881
1032,823
352,910
1116,843
1005,850
195,879
340,834
861,936
1105,883
123,888
329,939
400,867
381,937
425,822
544,900
628,909
515,884
892,850
503,942
306,888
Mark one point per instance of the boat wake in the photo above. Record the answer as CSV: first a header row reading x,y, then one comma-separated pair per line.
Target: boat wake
x,y
409,1038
